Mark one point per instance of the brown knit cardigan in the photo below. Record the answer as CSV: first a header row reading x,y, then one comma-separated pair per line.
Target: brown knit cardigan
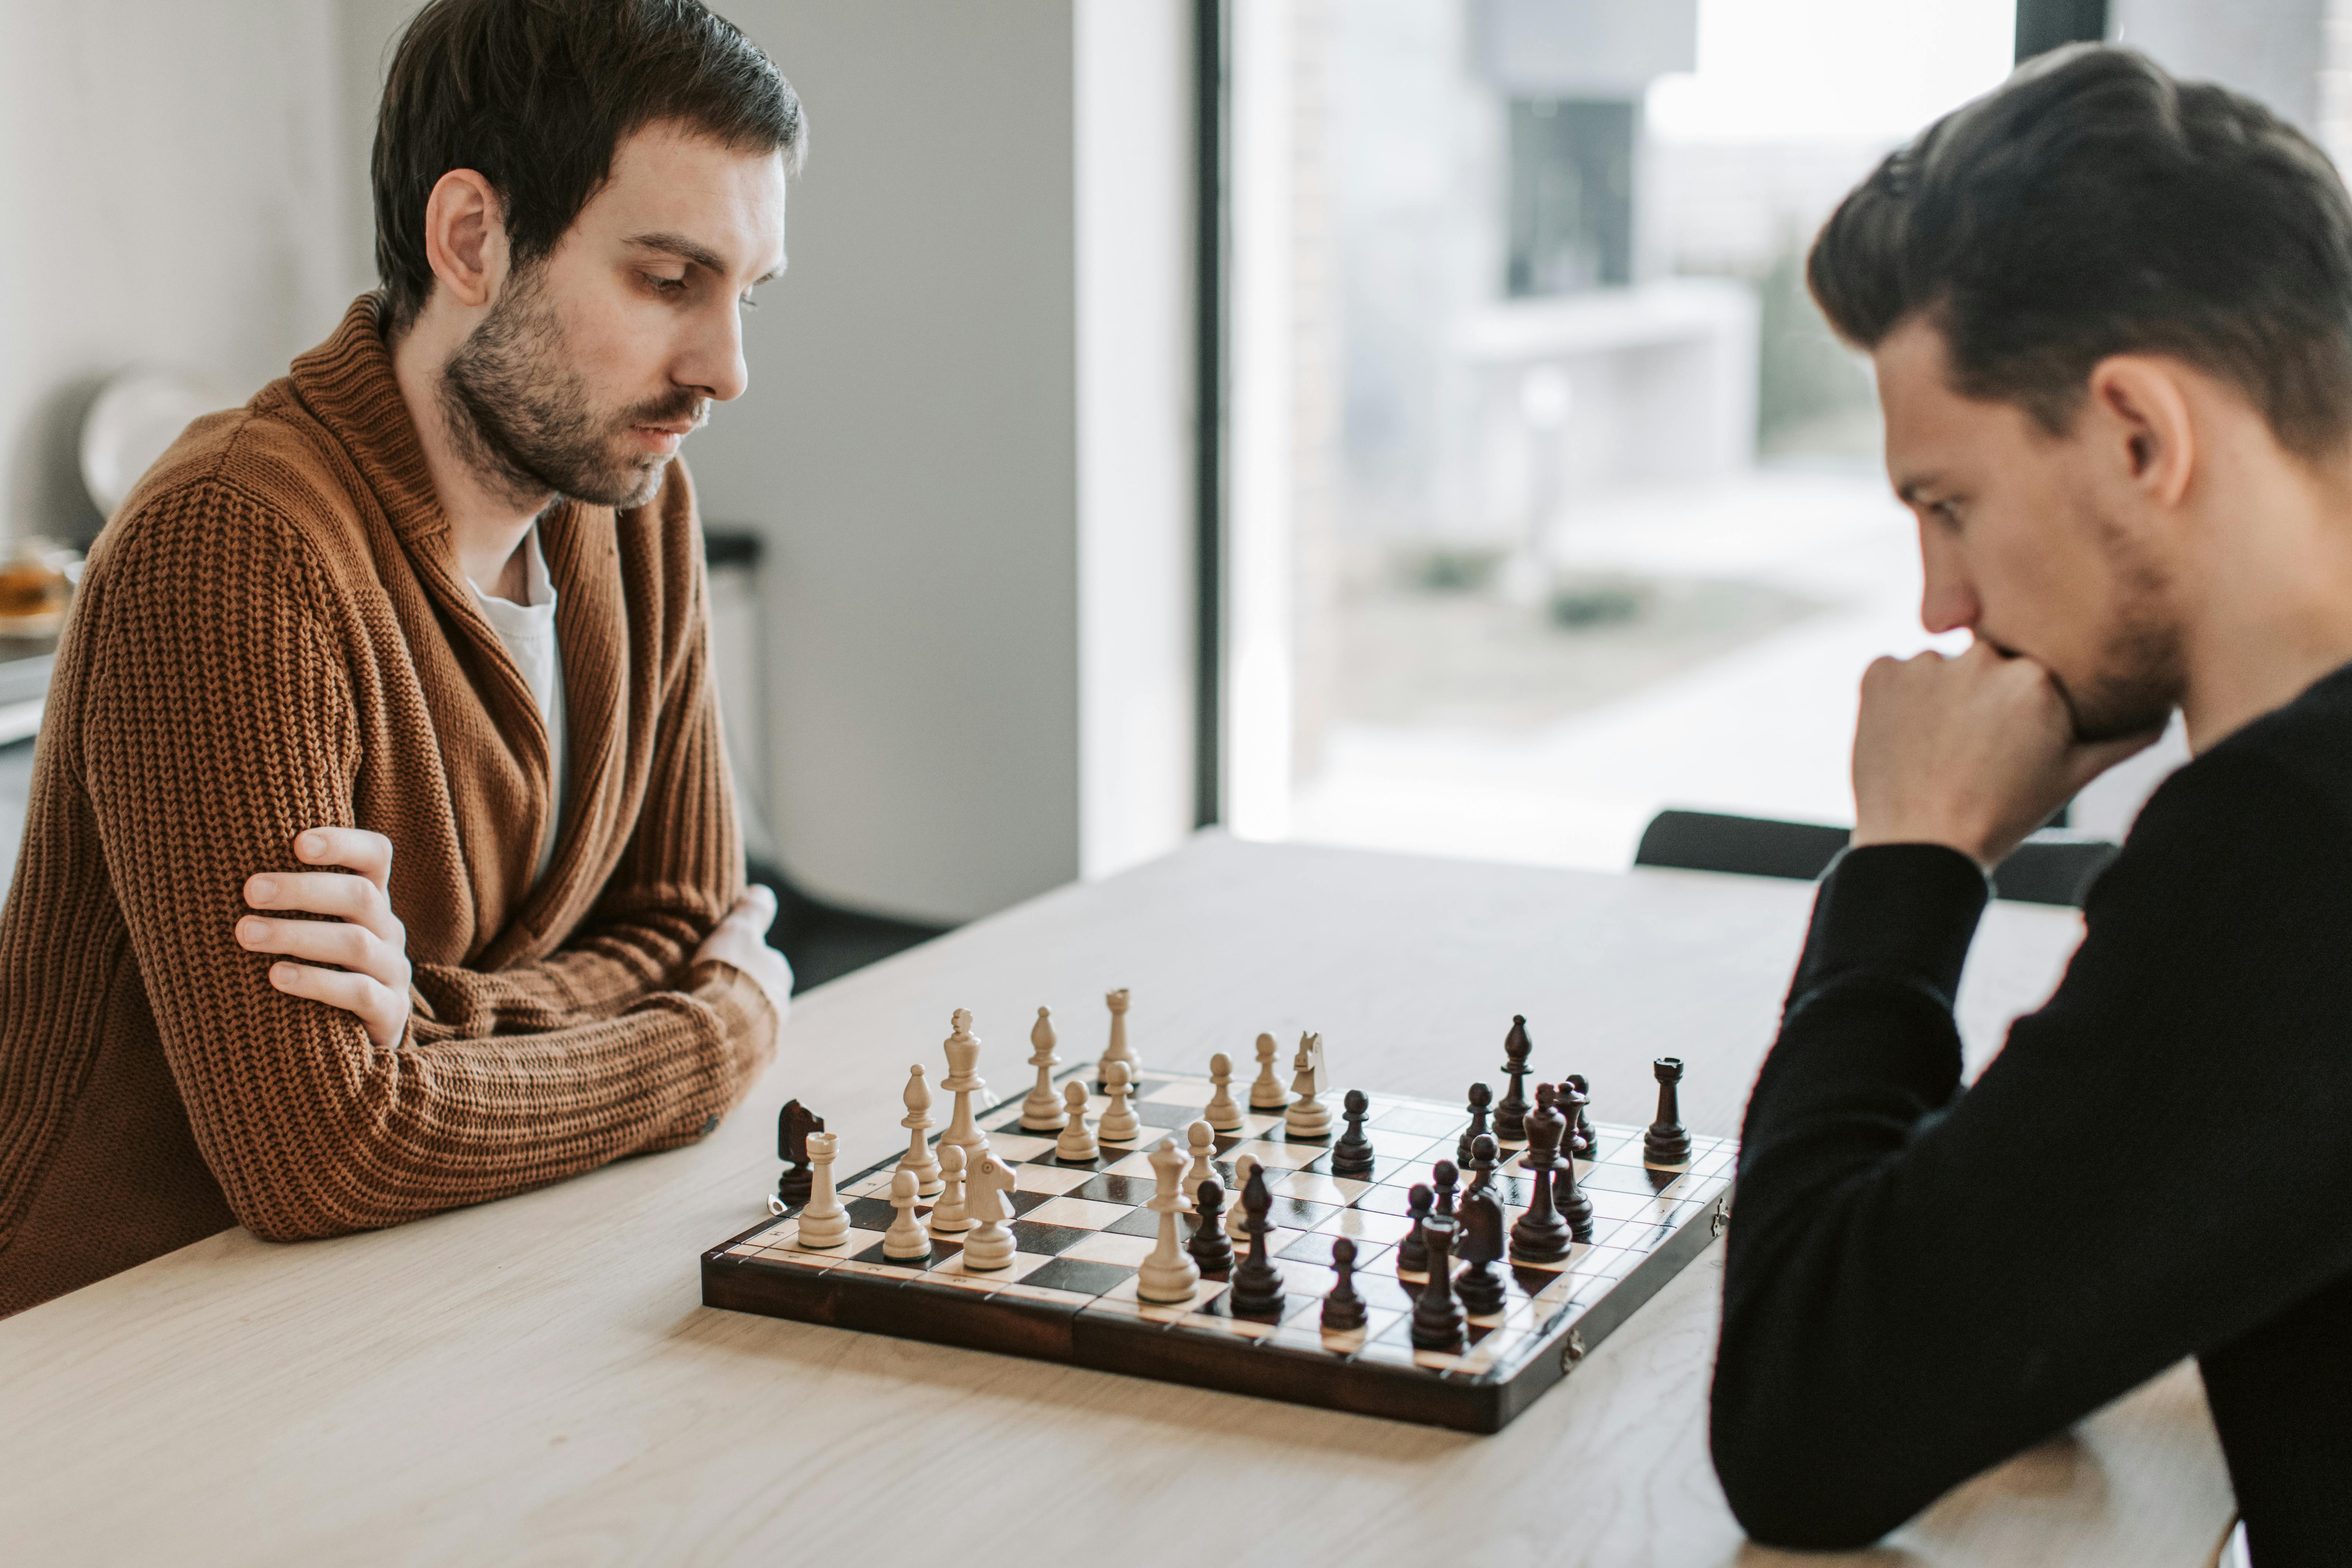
x,y
273,633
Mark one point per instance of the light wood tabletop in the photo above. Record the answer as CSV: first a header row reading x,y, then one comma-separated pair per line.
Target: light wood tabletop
x,y
536,1382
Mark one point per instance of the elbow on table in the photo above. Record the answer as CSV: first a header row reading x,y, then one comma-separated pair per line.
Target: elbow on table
x,y
1795,1488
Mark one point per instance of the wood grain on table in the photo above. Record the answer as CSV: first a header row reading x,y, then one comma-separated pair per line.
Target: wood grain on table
x,y
533,1381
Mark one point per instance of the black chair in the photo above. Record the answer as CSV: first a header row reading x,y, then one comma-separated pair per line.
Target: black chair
x,y
2053,866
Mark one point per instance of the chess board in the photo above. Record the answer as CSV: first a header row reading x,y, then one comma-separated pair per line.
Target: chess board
x,y
1082,1230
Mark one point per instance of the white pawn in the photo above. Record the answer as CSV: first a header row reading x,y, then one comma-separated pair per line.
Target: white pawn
x,y
918,1122
1266,1093
1076,1145
1237,1218
1224,1113
949,1216
1309,1117
824,1223
1202,1140
1042,1110
991,1246
1119,1122
905,1239
1168,1275
1117,1050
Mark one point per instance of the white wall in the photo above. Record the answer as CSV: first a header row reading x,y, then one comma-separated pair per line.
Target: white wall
x,y
2271,49
169,193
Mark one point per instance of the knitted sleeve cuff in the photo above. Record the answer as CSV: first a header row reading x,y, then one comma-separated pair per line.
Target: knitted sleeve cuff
x,y
1901,911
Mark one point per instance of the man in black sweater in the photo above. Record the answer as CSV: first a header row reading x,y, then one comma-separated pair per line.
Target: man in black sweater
x,y
2111,316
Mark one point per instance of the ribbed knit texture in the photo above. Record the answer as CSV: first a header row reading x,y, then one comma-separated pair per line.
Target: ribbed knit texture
x,y
272,635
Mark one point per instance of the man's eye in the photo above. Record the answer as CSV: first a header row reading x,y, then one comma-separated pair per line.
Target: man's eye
x,y
665,285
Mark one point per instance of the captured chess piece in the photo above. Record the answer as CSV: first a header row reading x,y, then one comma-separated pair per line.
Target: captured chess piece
x,y
1202,1141
1480,1098
1667,1143
1257,1283
1119,1124
1211,1248
1352,1154
1583,1144
1575,1209
1480,1287
963,1082
1224,1113
1076,1145
1266,1090
1041,1108
1237,1217
824,1223
1117,1050
1511,1111
1343,1310
794,1125
918,1158
906,1241
1437,1321
1540,1235
1168,1275
950,1215
989,1246
1413,1252
1308,1116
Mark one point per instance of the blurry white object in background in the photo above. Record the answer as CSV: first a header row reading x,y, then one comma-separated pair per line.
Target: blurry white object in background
x,y
137,416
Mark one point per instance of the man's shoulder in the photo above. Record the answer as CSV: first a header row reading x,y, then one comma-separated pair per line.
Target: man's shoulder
x,y
2280,787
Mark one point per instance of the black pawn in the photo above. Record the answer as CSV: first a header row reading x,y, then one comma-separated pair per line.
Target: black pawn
x,y
1566,1195
1413,1252
1511,1111
1257,1283
1485,1155
1343,1310
1480,1098
1667,1143
1582,1145
1481,1242
1436,1316
1210,1246
1540,1235
1352,1154
794,1125
1444,1177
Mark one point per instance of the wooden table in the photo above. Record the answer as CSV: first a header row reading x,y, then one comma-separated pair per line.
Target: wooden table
x,y
535,1381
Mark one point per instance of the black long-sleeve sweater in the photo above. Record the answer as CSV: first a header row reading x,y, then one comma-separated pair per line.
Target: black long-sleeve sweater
x,y
1924,1280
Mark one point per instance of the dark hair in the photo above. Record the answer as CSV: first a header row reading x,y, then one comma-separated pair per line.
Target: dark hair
x,y
535,95
2092,206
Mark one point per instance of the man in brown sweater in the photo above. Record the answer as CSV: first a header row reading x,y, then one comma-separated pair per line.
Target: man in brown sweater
x,y
381,857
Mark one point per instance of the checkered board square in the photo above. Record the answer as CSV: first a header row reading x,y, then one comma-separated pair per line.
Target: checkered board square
x,y
1081,1232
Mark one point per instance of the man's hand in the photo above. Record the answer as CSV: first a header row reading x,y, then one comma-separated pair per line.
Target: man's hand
x,y
370,946
741,939
1974,751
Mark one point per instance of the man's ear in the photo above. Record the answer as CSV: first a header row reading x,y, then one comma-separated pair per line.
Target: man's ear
x,y
466,238
2138,400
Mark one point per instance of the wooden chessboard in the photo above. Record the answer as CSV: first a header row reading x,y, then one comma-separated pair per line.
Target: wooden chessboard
x,y
1081,1231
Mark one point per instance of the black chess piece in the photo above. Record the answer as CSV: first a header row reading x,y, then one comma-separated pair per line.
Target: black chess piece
x,y
1437,1322
1575,1209
1485,1155
1480,1098
1343,1310
1210,1246
1511,1111
1480,1287
1667,1143
794,1125
1582,1144
1540,1235
1445,1178
1257,1283
1413,1252
1352,1154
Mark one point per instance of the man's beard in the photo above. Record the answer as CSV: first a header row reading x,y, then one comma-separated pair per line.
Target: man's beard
x,y
2140,673
522,416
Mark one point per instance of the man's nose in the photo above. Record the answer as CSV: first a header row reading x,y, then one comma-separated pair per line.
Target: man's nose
x,y
1947,602
714,364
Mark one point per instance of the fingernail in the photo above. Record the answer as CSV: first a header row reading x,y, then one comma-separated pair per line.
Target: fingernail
x,y
248,930
312,844
262,890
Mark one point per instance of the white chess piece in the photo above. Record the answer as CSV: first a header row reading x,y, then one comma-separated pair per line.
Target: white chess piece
x,y
1203,1138
1076,1145
1308,1117
1169,1274
1042,1110
963,1056
1119,1124
1119,1049
906,1238
949,1216
989,1246
1236,1220
918,1122
1224,1113
1265,1092
824,1223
